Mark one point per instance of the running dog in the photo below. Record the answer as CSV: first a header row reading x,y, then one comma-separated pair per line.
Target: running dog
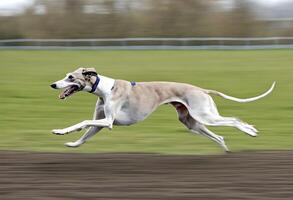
x,y
124,103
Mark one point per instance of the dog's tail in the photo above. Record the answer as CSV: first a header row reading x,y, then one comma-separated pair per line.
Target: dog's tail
x,y
242,100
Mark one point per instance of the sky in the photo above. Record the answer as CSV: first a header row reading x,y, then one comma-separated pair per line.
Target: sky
x,y
10,7
13,4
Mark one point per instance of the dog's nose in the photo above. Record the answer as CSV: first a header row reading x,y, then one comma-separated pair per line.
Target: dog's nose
x,y
53,86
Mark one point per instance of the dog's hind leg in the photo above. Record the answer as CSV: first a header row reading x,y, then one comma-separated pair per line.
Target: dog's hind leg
x,y
217,120
200,128
205,112
196,127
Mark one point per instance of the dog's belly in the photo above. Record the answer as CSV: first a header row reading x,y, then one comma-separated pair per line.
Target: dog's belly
x,y
132,114
124,118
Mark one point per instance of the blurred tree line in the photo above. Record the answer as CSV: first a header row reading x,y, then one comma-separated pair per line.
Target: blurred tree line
x,y
137,18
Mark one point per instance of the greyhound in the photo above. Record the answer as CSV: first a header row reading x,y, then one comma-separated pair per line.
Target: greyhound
x,y
122,102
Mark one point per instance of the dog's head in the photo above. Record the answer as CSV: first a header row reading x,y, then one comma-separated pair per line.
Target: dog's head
x,y
79,80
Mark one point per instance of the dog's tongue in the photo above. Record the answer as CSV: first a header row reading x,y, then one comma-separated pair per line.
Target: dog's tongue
x,y
67,92
62,95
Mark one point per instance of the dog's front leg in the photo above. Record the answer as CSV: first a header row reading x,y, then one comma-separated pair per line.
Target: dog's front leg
x,y
90,132
106,122
100,123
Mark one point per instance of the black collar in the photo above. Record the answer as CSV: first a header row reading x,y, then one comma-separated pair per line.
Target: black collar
x,y
94,87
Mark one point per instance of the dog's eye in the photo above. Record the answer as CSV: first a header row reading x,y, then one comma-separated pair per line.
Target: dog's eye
x,y
70,77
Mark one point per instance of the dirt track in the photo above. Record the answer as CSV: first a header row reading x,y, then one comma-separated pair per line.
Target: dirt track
x,y
265,175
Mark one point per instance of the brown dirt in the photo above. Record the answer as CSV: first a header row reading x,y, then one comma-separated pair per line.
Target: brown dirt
x,y
47,176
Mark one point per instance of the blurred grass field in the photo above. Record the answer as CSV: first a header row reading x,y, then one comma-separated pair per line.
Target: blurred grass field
x,y
29,109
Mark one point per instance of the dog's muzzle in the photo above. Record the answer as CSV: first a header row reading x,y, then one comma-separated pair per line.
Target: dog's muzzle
x,y
69,90
54,86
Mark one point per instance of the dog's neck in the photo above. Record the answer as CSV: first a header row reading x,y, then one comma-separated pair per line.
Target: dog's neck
x,y
102,85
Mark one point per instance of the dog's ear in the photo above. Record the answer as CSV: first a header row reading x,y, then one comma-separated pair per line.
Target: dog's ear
x,y
89,72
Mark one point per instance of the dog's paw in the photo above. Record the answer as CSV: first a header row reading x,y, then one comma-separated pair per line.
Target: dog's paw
x,y
251,130
72,144
58,131
110,127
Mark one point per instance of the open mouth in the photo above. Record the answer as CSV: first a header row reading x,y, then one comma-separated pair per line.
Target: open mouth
x,y
68,91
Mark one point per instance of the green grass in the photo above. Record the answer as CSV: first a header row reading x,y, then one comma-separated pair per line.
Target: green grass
x,y
29,109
